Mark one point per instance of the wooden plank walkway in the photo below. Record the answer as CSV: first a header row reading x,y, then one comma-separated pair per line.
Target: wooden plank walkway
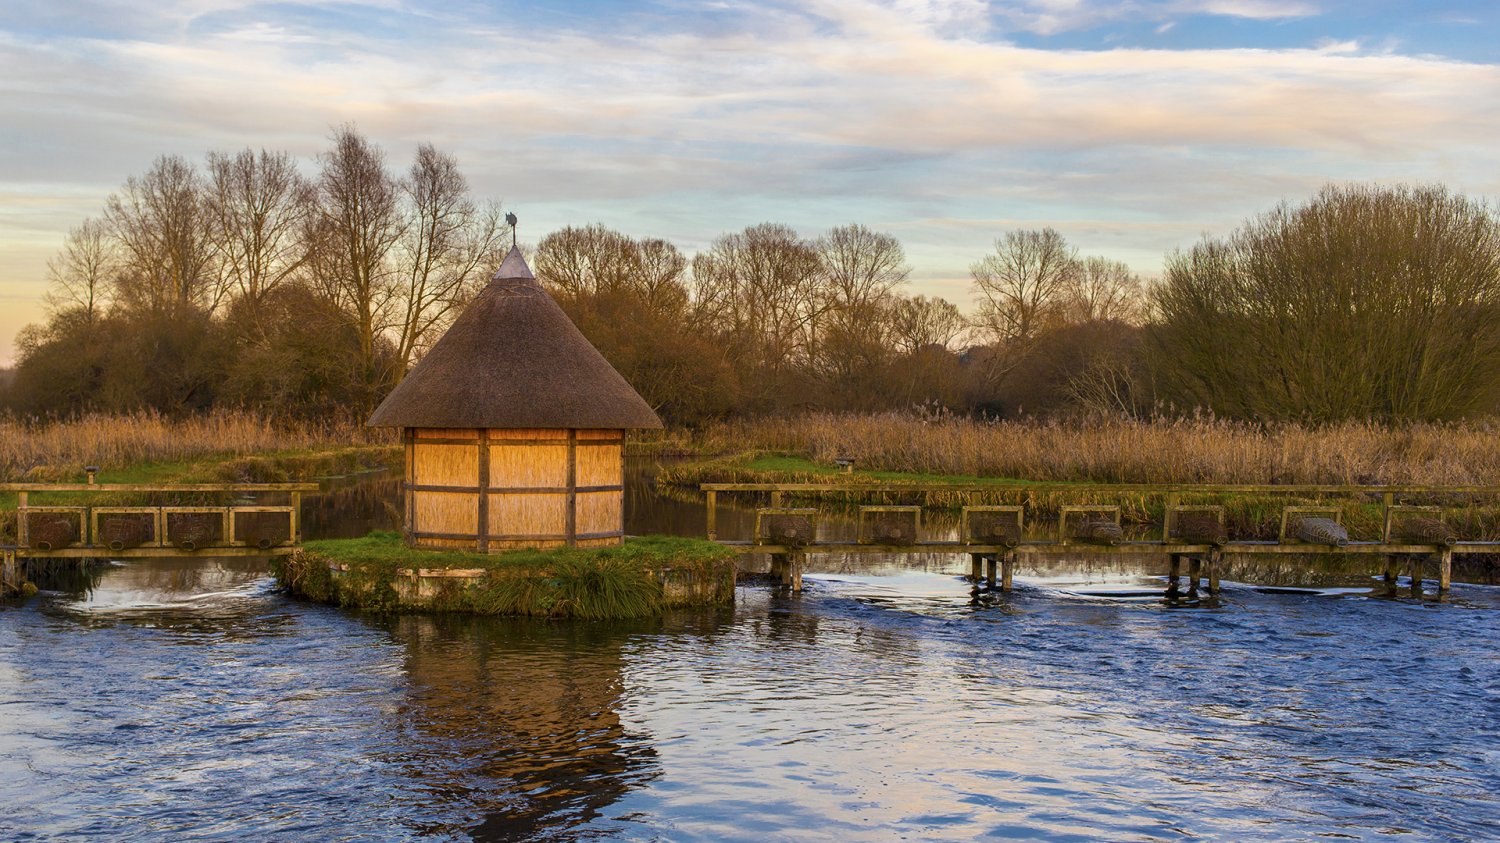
x,y
994,563
88,544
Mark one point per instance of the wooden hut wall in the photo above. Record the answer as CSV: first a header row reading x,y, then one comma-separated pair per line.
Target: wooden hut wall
x,y
443,477
600,466
526,488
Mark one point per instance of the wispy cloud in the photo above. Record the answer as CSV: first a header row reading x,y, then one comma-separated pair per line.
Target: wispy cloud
x,y
1050,17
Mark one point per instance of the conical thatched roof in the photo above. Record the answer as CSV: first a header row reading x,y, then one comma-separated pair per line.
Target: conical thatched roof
x,y
513,359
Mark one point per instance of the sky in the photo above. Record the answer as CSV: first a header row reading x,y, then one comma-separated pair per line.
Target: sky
x,y
1133,127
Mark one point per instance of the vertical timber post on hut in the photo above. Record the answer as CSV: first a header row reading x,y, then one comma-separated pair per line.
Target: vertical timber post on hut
x,y
514,427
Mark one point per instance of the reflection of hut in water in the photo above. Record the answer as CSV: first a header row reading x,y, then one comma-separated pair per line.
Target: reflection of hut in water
x,y
514,427
526,715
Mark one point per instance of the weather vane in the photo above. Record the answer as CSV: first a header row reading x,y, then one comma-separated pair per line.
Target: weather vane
x,y
510,219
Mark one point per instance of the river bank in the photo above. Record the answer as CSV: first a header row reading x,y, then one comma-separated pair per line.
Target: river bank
x,y
641,578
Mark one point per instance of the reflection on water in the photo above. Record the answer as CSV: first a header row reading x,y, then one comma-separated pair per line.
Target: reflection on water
x,y
186,700
519,722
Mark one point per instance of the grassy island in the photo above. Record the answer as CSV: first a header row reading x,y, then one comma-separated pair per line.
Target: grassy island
x,y
640,578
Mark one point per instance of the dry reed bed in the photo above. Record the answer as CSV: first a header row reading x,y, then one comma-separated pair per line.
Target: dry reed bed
x,y
1119,451
58,450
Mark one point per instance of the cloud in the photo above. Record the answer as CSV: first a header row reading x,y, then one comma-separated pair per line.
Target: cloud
x,y
881,111
1052,17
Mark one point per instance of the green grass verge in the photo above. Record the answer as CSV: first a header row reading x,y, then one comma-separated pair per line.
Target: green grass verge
x,y
757,467
586,583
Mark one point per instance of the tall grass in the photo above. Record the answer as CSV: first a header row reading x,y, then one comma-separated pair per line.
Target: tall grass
x,y
1202,450
57,450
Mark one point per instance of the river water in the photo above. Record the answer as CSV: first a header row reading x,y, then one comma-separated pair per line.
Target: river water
x,y
187,700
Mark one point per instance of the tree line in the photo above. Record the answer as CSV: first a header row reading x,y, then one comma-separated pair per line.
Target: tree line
x,y
243,282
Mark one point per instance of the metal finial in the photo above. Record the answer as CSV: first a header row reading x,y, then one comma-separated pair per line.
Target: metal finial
x,y
510,219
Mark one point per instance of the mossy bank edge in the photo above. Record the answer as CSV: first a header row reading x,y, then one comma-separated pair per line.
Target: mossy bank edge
x,y
642,577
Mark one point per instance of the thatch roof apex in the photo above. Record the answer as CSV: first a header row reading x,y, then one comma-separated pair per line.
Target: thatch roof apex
x,y
513,268
513,359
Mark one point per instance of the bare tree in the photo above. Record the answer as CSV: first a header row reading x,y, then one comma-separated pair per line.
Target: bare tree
x,y
580,263
448,239
919,322
357,225
1021,282
160,223
1101,290
662,278
83,272
763,290
258,209
862,266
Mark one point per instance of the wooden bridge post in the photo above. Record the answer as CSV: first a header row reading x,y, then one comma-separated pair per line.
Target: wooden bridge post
x,y
711,504
1174,573
991,572
1211,566
976,567
1416,574
1195,573
1445,572
1390,576
796,563
778,566
1007,571
10,573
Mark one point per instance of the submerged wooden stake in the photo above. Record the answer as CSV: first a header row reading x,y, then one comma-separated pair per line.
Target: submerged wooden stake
x,y
1390,576
976,567
1416,575
991,564
1195,573
1212,566
1445,572
792,573
10,573
1007,571
1174,573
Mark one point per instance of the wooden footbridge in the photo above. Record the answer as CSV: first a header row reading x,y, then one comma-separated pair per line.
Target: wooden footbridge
x,y
69,523
1412,536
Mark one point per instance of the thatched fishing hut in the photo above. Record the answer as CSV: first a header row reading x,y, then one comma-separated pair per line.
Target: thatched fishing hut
x,y
514,427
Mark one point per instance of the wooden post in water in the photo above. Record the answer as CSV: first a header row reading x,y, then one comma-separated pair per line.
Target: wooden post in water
x,y
1195,573
1390,576
10,573
991,565
1211,566
792,576
976,567
1445,572
1174,573
1007,571
711,501
1416,574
